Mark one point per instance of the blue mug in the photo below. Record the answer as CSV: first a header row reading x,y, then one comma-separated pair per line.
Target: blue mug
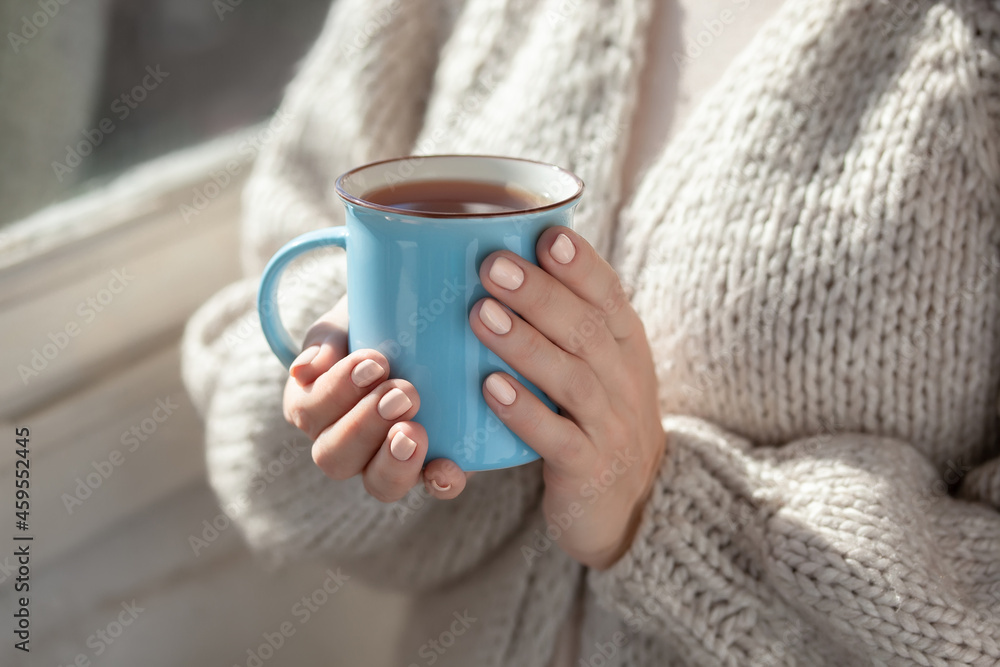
x,y
413,277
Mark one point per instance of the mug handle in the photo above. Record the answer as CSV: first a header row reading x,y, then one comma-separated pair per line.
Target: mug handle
x,y
267,297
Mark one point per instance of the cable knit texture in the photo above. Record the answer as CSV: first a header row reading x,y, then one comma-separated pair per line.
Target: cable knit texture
x,y
815,256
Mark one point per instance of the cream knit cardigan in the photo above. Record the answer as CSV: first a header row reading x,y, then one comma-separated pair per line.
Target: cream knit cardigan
x,y
815,257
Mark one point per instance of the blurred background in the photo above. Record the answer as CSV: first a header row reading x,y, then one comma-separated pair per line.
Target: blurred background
x,y
222,65
127,129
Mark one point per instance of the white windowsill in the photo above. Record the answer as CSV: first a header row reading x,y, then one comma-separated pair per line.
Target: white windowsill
x,y
106,377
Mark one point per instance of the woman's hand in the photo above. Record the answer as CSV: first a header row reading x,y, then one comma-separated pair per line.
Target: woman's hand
x,y
578,340
358,419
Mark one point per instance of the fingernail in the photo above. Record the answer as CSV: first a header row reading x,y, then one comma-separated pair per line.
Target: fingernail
x,y
366,372
394,404
438,487
402,448
563,250
506,274
494,317
304,359
500,389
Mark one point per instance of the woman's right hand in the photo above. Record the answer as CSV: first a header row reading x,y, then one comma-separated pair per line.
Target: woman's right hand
x,y
358,418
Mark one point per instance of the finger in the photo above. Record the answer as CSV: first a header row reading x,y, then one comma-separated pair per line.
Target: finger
x,y
569,258
346,446
444,480
313,407
566,379
395,468
556,439
564,318
325,344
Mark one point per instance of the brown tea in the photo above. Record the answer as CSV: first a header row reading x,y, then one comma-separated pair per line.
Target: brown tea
x,y
454,197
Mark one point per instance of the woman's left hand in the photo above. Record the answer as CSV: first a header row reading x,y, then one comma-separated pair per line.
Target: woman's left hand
x,y
578,340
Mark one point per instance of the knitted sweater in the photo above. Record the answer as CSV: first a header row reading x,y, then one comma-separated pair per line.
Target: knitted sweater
x,y
815,257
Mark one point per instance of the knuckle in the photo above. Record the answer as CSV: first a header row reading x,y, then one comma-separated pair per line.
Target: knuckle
x,y
325,456
567,449
542,296
616,431
377,492
589,334
335,470
395,478
532,422
298,416
581,384
615,297
450,469
533,350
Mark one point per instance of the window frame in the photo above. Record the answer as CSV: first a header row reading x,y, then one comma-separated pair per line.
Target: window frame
x,y
109,375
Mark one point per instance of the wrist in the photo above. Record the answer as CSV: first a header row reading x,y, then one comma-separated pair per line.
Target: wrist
x,y
638,506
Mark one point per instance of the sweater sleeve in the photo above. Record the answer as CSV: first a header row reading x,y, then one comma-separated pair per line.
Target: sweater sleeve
x,y
843,546
358,97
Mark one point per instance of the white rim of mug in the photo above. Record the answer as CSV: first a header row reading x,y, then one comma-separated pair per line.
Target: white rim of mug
x,y
359,201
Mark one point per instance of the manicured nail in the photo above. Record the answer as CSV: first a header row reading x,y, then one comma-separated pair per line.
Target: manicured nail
x,y
506,274
394,404
402,448
500,389
367,372
563,250
494,317
304,359
438,487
